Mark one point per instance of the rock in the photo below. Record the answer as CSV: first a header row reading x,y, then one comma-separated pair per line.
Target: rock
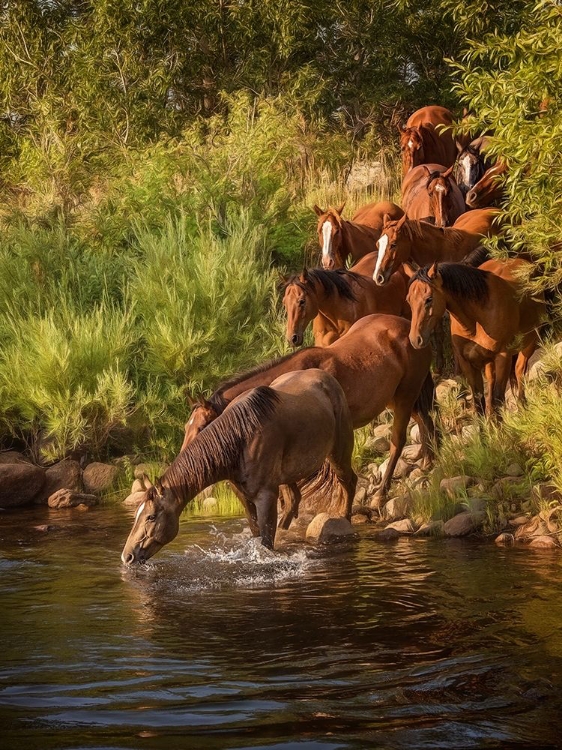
x,y
445,387
476,504
451,486
505,539
20,484
468,432
45,527
65,474
378,445
302,522
464,523
360,496
361,510
415,436
518,520
138,486
383,430
363,174
545,492
402,527
535,527
324,528
358,519
508,487
430,528
69,499
396,508
543,542
514,470
210,504
402,469
385,535
553,518
98,477
135,498
12,457
373,470
411,452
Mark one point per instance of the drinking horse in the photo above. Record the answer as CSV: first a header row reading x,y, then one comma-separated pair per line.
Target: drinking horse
x,y
430,193
375,365
341,239
270,436
334,300
492,317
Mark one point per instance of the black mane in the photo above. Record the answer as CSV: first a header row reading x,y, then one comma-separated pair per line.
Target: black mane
x,y
331,281
459,279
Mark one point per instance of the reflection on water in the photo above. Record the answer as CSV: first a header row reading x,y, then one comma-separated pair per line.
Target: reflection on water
x,y
219,643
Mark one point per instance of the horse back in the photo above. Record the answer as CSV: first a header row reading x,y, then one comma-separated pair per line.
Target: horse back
x,y
432,114
372,214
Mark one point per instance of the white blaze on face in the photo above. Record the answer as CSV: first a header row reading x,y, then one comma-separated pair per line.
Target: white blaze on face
x,y
139,511
465,164
439,188
382,245
410,143
327,237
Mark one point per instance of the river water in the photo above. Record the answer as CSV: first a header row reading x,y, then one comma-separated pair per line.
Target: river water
x,y
218,643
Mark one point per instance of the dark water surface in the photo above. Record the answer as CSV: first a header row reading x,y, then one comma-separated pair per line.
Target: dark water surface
x,y
220,644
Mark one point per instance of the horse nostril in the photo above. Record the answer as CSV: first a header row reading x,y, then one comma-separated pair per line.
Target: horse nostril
x,y
294,339
420,341
380,279
128,559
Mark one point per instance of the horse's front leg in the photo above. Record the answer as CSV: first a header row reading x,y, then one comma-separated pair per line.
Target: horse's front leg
x,y
266,507
249,507
502,364
402,412
474,377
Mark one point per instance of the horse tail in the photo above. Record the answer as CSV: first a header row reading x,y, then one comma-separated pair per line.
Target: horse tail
x,y
424,405
322,492
476,257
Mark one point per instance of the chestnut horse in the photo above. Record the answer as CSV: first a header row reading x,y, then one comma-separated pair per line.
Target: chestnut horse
x,y
471,163
489,190
492,317
408,239
422,143
430,193
375,365
341,239
334,300
270,436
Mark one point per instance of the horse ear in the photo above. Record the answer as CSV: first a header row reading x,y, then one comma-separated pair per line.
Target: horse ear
x,y
158,487
401,220
386,219
304,274
448,172
460,147
340,208
317,210
427,169
146,481
191,401
410,268
433,271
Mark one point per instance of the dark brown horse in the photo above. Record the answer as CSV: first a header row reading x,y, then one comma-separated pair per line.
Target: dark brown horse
x,y
341,239
430,193
268,437
472,163
335,300
408,239
422,142
492,317
489,190
375,365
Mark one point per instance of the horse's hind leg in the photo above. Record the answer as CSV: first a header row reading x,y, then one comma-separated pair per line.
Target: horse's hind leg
x,y
402,412
429,435
502,367
266,507
522,363
291,508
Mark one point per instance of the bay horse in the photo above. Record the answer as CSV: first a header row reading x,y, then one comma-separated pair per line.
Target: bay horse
x,y
489,190
341,239
270,436
472,163
334,300
424,243
422,143
430,193
375,365
492,317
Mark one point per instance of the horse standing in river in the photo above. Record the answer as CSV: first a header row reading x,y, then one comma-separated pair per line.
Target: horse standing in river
x,y
492,317
341,239
334,300
430,193
375,365
422,143
268,437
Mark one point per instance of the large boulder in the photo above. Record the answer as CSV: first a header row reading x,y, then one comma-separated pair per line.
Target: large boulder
x,y
396,508
69,499
65,474
135,498
99,477
405,526
325,528
12,457
20,484
451,486
464,523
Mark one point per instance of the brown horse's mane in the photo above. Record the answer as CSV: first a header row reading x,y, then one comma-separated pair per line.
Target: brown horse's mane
x,y
217,448
417,229
331,281
459,279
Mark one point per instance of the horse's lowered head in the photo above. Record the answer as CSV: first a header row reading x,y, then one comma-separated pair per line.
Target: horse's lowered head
x,y
393,249
156,524
411,146
489,189
439,189
301,305
330,236
203,413
426,300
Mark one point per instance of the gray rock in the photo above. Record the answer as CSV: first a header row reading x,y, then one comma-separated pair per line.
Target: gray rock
x,y
451,486
411,452
405,526
415,436
361,510
12,457
65,474
385,535
135,498
98,477
464,523
383,430
324,528
20,484
507,487
476,504
401,470
359,518
514,470
138,486
444,388
505,539
69,499
360,496
431,528
378,445
396,508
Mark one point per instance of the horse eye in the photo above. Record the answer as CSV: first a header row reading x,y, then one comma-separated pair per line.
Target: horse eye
x,y
151,517
429,301
301,302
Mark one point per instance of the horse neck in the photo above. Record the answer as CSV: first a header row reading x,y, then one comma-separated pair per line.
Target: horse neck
x,y
432,245
332,307
186,483
467,312
357,239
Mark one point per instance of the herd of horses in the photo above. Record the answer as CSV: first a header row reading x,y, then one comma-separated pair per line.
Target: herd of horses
x,y
284,430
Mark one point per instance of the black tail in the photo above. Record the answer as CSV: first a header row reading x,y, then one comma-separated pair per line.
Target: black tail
x,y
424,405
476,257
